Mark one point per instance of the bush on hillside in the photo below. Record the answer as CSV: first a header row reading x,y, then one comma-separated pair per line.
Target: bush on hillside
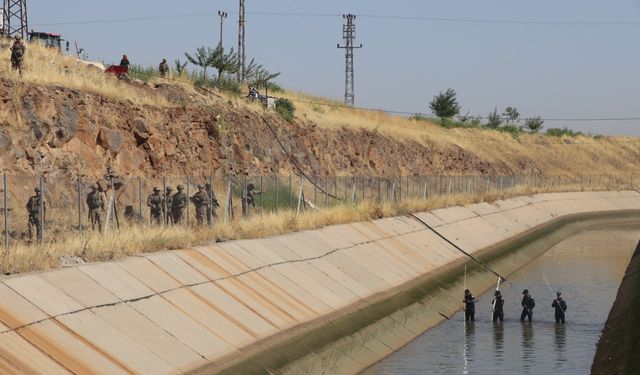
x,y
558,132
285,109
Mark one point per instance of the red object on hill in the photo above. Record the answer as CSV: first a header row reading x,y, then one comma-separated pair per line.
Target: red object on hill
x,y
117,70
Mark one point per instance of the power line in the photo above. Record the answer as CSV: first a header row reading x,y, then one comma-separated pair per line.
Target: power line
x,y
372,16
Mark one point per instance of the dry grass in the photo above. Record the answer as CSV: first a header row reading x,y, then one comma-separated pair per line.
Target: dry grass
x,y
133,239
47,67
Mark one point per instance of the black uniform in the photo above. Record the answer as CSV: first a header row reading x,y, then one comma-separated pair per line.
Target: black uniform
x,y
498,311
528,303
561,306
469,307
212,203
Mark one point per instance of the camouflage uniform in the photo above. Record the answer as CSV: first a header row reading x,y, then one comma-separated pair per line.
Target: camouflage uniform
x,y
167,202
179,202
248,199
17,54
33,208
212,203
154,201
95,202
164,68
201,201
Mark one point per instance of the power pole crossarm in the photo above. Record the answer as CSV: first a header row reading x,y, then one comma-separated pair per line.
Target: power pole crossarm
x,y
349,35
222,16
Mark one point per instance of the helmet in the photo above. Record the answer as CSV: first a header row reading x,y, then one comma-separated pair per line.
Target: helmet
x,y
559,293
37,190
466,291
94,187
180,187
497,293
156,189
526,291
250,187
18,37
169,188
200,186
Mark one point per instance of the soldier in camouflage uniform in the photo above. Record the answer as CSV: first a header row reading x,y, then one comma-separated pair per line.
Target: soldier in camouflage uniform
x,y
249,199
201,201
33,208
95,202
154,201
17,54
164,68
179,202
167,204
212,204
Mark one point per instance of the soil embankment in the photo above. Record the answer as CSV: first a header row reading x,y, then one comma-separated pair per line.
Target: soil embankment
x,y
620,341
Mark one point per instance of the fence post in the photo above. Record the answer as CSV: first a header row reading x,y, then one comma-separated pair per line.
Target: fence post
x,y
6,211
228,210
261,196
210,195
79,204
301,202
315,190
165,214
140,199
188,198
354,192
326,191
41,218
277,196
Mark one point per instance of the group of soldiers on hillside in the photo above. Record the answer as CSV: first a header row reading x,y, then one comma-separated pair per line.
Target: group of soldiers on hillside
x,y
170,208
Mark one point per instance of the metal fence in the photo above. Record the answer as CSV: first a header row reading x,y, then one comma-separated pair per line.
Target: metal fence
x,y
65,208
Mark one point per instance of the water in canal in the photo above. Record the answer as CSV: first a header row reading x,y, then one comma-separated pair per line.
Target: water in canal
x,y
587,268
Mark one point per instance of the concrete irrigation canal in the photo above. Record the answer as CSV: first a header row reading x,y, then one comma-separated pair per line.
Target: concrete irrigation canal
x,y
333,300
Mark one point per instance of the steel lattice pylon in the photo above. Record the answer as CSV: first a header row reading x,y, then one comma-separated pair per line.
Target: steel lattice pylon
x,y
349,34
14,17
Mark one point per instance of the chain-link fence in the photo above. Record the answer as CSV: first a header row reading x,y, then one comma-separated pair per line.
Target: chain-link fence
x,y
81,204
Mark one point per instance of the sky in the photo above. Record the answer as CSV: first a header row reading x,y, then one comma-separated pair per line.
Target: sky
x,y
569,59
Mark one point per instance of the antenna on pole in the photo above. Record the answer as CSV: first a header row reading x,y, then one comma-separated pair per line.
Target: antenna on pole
x,y
14,18
222,16
241,50
349,34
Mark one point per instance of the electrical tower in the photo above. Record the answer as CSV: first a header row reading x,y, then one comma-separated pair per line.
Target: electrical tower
x,y
222,16
14,18
349,34
241,51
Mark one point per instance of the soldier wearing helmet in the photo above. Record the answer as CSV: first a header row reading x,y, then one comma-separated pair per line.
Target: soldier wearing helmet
x,y
201,200
154,202
36,217
95,203
179,202
18,50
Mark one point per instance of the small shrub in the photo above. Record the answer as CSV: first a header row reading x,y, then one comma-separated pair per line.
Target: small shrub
x,y
557,132
142,73
285,109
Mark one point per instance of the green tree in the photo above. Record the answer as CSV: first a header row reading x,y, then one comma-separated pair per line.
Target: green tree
x,y
534,124
494,120
223,62
180,66
201,58
444,105
285,108
512,115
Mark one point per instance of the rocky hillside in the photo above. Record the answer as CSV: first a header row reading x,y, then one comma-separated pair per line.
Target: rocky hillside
x,y
58,130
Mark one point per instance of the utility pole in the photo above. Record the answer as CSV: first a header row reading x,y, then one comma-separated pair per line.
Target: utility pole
x,y
14,18
222,16
241,50
349,34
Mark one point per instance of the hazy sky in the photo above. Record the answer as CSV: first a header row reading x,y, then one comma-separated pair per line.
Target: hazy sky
x,y
554,70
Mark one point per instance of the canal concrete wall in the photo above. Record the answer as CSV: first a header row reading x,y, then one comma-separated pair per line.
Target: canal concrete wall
x,y
335,299
619,344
